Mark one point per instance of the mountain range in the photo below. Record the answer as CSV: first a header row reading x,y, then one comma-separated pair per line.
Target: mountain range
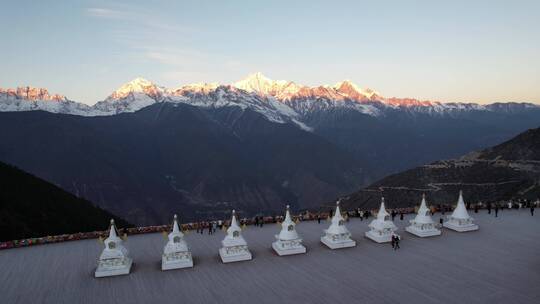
x,y
147,151
508,171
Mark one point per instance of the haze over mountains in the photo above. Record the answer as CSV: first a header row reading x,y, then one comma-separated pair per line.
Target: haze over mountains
x,y
146,151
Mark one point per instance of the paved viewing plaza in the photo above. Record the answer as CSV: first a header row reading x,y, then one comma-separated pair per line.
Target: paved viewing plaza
x,y
499,263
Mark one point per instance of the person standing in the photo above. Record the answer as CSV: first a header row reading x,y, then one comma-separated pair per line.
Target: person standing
x,y
319,218
532,209
393,241
401,216
496,210
489,208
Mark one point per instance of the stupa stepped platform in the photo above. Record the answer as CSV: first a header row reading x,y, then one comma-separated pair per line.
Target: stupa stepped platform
x,y
425,270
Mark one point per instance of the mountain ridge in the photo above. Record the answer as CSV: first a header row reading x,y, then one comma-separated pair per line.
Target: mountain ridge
x,y
295,99
32,207
510,170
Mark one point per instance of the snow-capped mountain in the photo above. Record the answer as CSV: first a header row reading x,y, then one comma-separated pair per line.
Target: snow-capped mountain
x,y
278,100
30,99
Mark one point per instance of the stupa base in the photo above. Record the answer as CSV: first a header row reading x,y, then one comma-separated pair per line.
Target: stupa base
x,y
385,238
176,264
109,271
460,228
422,233
285,250
234,257
337,244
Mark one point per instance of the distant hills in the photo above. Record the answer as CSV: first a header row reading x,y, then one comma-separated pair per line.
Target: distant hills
x,y
146,152
31,207
510,170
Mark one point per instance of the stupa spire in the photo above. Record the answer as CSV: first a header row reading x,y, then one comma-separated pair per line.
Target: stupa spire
x,y
176,229
112,232
233,220
382,211
287,215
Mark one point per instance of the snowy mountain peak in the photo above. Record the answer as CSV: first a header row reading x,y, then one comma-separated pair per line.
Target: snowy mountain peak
x,y
349,89
201,87
258,83
137,85
31,94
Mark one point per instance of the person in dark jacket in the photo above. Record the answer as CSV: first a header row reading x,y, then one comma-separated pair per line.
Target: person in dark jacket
x,y
396,241
532,209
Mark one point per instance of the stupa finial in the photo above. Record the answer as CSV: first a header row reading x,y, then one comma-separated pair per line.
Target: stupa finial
x,y
233,220
176,229
112,231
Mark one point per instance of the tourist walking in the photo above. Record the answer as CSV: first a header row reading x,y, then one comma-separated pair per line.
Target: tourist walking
x,y
393,242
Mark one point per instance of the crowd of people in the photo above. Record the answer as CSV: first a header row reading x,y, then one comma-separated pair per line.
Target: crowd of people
x,y
211,227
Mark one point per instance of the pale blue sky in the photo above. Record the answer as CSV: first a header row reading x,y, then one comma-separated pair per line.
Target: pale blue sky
x,y
479,51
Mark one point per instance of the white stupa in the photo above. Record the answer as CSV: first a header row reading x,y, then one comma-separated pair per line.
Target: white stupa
x,y
460,220
337,235
381,228
176,253
287,241
114,259
422,225
234,247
